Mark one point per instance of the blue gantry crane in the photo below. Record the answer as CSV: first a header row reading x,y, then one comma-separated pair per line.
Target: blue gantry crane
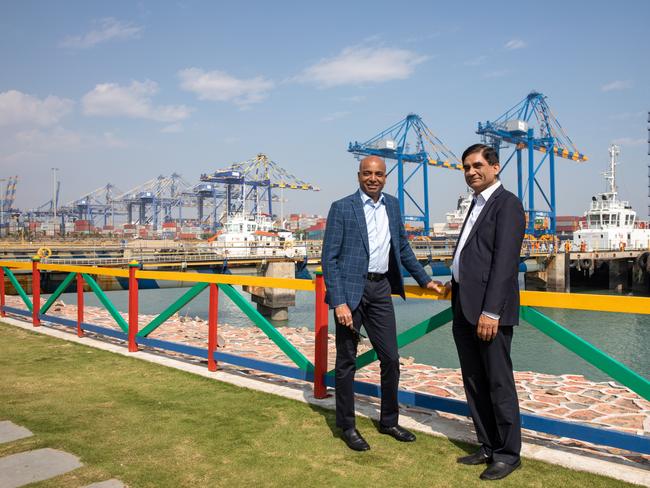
x,y
253,181
531,126
414,147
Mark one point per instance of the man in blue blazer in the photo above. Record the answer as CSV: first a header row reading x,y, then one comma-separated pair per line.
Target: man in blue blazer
x,y
485,302
364,245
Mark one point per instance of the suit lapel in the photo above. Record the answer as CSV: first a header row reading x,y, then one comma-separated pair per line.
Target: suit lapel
x,y
484,212
361,219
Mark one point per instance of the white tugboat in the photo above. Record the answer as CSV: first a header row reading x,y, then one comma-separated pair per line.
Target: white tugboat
x,y
450,229
611,223
245,236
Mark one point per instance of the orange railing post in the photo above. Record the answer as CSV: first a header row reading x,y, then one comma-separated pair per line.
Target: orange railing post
x,y
133,307
2,292
80,304
213,313
36,291
320,345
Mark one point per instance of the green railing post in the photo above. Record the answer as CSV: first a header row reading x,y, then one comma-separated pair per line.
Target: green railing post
x,y
19,289
187,297
258,319
106,302
57,293
587,351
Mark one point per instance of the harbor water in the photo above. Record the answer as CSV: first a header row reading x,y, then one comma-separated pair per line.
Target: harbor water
x,y
625,337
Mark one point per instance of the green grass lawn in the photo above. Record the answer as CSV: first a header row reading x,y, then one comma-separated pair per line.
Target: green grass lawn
x,y
153,426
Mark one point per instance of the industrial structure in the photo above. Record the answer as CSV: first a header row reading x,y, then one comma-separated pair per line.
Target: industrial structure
x,y
531,126
165,206
413,147
253,181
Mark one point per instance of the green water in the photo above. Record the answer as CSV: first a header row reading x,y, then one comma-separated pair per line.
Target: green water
x,y
625,337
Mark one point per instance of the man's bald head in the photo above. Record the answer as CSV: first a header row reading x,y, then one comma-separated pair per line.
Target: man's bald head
x,y
372,160
372,176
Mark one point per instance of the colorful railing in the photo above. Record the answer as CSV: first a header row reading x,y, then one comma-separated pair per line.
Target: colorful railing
x,y
316,372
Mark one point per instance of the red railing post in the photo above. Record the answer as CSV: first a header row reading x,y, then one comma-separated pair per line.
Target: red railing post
x,y
320,345
36,292
80,304
213,313
2,292
133,306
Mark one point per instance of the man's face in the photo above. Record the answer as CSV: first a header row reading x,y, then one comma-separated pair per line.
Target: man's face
x,y
479,174
372,176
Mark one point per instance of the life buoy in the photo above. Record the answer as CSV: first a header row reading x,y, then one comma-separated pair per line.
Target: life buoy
x,y
44,252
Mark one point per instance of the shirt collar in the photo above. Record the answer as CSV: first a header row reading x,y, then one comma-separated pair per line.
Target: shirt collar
x,y
487,193
365,198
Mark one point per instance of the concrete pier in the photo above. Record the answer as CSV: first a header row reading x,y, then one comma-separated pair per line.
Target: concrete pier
x,y
274,302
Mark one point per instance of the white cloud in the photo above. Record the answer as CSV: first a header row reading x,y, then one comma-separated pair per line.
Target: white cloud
x,y
133,101
49,140
616,85
17,108
219,86
513,44
334,116
358,65
629,141
107,29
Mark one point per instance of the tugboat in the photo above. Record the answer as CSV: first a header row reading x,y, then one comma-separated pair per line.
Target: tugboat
x,y
244,236
450,229
610,224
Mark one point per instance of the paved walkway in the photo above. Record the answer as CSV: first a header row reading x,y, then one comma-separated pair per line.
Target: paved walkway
x,y
28,467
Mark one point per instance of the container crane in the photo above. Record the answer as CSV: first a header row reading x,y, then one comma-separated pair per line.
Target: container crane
x,y
414,147
253,180
531,125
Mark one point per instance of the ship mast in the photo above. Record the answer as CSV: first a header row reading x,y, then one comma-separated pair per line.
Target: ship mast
x,y
610,176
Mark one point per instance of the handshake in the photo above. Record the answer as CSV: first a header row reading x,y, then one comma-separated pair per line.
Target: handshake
x,y
444,290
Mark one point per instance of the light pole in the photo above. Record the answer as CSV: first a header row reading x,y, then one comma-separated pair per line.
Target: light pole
x,y
2,206
54,170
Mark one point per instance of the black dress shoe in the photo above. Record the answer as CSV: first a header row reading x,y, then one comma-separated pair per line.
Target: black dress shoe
x,y
498,470
479,457
399,433
354,440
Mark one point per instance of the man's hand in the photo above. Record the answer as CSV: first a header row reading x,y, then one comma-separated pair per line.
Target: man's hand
x,y
344,316
487,328
439,288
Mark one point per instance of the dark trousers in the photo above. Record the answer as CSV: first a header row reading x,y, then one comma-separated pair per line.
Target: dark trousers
x,y
489,386
376,314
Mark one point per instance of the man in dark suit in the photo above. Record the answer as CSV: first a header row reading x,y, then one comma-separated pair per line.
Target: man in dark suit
x,y
485,302
364,244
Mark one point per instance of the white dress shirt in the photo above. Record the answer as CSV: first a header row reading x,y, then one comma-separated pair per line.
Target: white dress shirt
x,y
479,203
378,233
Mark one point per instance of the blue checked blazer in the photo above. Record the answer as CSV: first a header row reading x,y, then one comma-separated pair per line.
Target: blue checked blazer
x,y
346,252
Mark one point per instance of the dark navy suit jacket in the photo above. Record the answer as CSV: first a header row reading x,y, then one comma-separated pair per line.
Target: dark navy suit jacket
x,y
346,252
489,260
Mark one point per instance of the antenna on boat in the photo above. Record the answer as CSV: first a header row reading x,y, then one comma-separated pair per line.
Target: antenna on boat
x,y
610,176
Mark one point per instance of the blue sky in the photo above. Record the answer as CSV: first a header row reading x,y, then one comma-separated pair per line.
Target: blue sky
x,y
122,92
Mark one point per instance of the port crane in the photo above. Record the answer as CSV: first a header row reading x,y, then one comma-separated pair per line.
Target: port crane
x,y
253,180
531,126
414,147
